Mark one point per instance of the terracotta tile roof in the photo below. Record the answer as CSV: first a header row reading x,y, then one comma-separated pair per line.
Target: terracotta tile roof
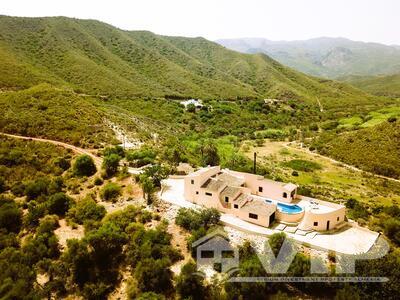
x,y
213,184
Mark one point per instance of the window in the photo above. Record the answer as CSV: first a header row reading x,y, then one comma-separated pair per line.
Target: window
x,y
207,254
197,192
226,199
315,223
284,195
260,189
253,216
337,219
192,181
208,194
236,206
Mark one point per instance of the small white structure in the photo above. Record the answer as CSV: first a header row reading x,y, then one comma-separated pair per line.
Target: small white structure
x,y
196,102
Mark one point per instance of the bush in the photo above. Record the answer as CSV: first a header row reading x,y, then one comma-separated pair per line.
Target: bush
x,y
18,189
110,192
189,285
59,204
192,219
84,166
111,164
98,181
10,215
87,209
392,229
36,188
62,163
3,187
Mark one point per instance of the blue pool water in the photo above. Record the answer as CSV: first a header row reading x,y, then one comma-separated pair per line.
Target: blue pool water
x,y
289,209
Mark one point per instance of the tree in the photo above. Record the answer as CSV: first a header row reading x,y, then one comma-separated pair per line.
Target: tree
x,y
209,154
154,275
84,166
110,191
10,215
36,188
147,187
110,164
59,204
87,210
157,173
276,241
189,284
192,219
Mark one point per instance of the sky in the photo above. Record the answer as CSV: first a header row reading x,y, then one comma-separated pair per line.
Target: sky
x,y
361,20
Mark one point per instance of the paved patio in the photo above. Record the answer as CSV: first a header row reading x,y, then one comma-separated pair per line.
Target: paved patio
x,y
350,240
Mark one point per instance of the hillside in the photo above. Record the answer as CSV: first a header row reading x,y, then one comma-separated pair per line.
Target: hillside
x,y
95,58
324,57
43,111
374,149
388,85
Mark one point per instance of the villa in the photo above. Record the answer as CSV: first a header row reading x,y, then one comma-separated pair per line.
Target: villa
x,y
260,201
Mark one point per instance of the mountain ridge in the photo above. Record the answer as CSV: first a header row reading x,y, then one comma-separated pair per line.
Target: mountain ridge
x,y
93,57
369,58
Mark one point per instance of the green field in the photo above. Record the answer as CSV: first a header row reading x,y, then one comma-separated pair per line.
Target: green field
x,y
371,119
324,179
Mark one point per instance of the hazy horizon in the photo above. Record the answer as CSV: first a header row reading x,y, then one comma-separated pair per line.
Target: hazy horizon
x,y
285,20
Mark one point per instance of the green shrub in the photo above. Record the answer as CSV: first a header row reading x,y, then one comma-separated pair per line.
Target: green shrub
x,y
192,219
98,181
84,166
10,215
111,164
110,192
36,188
87,209
59,204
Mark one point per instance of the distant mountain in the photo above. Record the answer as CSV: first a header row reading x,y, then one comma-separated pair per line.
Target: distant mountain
x,y
383,85
95,58
324,57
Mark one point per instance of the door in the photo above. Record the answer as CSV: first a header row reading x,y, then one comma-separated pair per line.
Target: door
x,y
271,218
327,225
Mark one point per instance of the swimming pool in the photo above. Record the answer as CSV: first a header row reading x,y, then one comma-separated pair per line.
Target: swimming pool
x,y
289,209
286,208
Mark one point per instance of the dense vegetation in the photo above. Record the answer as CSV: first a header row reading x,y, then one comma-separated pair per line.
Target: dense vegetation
x,y
388,85
375,149
44,111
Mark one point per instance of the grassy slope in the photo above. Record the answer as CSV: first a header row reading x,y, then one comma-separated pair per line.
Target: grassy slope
x,y
379,85
96,58
44,111
375,149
